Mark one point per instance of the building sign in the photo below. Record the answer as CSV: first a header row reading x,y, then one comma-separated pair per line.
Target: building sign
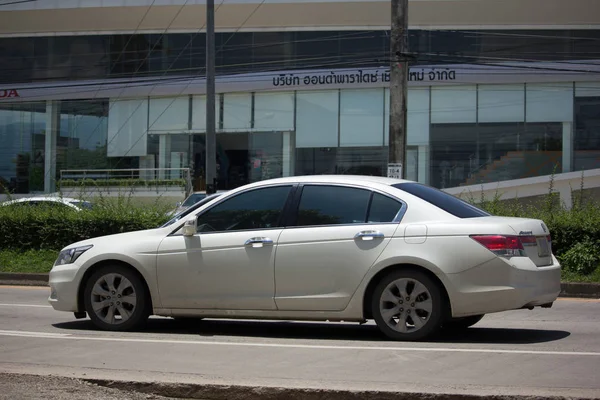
x,y
394,170
8,93
360,76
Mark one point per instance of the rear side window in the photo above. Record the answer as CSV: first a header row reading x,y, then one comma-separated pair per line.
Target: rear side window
x,y
453,205
339,205
332,205
383,209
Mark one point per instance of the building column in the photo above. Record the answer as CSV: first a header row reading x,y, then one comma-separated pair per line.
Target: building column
x,y
566,196
423,168
567,147
52,128
164,155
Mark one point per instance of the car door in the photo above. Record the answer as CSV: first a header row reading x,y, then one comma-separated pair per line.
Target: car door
x,y
336,236
229,263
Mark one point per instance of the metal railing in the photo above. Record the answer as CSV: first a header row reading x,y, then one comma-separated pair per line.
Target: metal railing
x,y
156,176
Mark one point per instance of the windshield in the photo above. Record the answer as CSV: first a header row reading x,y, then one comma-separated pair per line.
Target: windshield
x,y
453,205
193,199
191,209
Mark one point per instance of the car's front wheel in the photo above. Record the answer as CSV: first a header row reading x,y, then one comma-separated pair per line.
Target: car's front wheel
x,y
408,305
116,299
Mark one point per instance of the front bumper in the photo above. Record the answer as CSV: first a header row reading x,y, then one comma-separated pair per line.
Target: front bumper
x,y
64,285
502,285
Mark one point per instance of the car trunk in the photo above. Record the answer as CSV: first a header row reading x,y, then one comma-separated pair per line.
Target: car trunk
x,y
534,236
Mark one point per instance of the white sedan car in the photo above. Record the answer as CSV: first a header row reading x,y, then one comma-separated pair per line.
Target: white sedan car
x,y
335,248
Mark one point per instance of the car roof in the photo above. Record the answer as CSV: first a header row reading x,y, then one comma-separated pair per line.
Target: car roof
x,y
344,179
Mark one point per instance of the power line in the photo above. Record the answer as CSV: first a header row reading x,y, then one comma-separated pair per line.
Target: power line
x,y
189,82
17,2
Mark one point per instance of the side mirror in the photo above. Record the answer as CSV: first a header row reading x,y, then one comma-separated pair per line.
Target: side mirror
x,y
190,227
178,204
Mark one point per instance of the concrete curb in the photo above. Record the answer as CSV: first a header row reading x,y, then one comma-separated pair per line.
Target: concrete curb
x,y
240,392
568,289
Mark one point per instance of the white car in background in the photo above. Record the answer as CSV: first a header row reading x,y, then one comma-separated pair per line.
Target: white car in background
x,y
336,248
192,199
50,201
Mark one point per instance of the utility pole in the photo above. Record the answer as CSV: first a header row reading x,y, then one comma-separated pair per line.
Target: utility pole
x,y
398,89
211,135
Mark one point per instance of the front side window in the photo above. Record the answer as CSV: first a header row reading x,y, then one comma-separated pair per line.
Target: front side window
x,y
252,210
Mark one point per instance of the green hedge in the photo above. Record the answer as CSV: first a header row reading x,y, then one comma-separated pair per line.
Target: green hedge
x,y
41,228
64,183
575,232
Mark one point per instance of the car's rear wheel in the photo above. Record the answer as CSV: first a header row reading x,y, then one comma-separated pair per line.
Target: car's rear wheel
x,y
116,299
408,305
456,324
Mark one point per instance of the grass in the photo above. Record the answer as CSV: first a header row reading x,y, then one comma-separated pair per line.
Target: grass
x,y
30,261
568,276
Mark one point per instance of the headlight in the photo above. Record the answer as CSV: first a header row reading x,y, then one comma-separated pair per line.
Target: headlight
x,y
70,255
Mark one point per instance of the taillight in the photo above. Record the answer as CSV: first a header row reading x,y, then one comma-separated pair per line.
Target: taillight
x,y
501,245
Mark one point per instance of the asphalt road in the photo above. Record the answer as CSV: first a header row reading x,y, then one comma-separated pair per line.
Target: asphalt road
x,y
541,352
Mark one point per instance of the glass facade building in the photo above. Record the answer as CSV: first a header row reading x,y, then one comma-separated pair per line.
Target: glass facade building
x,y
483,106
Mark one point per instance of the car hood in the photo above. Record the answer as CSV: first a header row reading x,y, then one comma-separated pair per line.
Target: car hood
x,y
120,240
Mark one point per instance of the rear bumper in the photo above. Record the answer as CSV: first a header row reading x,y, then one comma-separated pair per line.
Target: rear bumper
x,y
502,285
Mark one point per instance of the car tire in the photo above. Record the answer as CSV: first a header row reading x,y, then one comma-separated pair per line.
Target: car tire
x,y
394,310
116,299
457,324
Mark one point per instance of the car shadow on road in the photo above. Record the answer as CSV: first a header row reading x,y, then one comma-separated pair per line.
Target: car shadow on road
x,y
325,331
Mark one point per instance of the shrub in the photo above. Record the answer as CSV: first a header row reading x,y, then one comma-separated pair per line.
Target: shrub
x,y
581,258
575,232
51,228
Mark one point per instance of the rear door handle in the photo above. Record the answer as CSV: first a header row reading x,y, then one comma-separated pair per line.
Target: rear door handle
x,y
369,235
259,242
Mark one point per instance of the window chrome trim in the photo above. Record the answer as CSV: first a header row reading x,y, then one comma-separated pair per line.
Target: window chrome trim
x,y
397,219
224,198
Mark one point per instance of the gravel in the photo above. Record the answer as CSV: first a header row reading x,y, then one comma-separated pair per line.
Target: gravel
x,y
34,387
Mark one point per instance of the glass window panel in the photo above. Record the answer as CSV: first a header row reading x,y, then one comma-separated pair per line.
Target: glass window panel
x,y
317,119
332,205
253,210
361,117
316,161
455,104
83,135
549,102
586,153
273,49
234,52
362,161
274,111
169,114
237,111
501,103
17,62
199,113
127,128
22,138
587,89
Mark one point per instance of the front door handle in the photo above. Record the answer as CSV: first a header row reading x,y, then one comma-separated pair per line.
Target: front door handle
x,y
369,235
259,242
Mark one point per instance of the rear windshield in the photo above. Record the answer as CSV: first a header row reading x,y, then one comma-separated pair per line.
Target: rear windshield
x,y
453,205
